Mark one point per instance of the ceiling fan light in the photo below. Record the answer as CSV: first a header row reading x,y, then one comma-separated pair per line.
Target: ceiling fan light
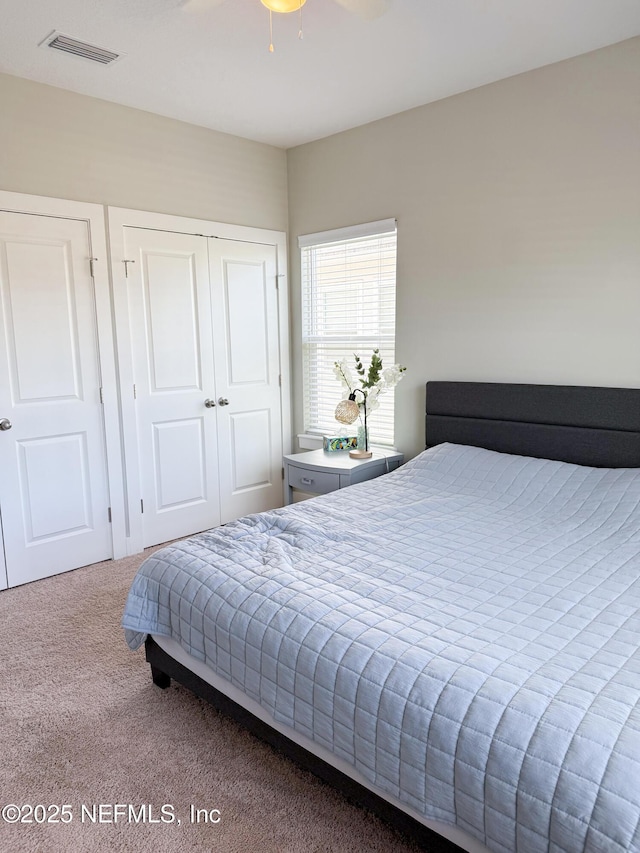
x,y
283,5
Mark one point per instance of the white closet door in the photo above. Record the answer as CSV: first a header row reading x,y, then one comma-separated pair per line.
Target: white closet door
x,y
246,349
172,351
53,483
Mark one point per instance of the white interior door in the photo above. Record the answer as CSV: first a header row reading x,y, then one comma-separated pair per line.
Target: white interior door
x,y
170,321
247,358
53,482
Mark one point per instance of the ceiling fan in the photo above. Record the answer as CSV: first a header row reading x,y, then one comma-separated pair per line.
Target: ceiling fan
x,y
367,9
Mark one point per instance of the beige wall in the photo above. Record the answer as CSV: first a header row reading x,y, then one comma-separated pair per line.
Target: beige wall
x,y
60,144
518,208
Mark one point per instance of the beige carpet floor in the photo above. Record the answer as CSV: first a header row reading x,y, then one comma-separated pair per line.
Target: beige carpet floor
x,y
82,724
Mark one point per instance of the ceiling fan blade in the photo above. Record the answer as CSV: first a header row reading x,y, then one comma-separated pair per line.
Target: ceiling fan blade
x,y
367,9
199,5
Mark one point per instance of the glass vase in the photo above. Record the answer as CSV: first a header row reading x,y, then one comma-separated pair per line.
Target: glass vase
x,y
362,444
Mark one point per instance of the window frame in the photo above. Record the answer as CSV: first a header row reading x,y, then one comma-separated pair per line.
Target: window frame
x,y
382,429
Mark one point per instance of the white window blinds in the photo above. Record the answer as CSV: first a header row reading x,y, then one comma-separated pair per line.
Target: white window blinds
x,y
348,306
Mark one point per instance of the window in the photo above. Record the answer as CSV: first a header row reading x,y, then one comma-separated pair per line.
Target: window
x,y
348,306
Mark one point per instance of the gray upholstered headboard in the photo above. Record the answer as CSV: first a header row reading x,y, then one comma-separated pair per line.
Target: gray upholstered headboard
x,y
583,425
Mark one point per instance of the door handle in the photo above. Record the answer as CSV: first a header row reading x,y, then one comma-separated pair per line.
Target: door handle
x,y
222,401
209,403
5,424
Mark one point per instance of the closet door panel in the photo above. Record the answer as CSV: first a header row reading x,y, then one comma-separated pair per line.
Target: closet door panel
x,y
170,319
180,453
247,355
250,443
246,320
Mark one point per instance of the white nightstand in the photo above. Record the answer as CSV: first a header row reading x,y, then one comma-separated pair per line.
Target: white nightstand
x,y
318,472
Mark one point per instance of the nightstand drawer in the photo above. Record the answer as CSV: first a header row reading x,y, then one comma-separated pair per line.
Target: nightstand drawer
x,y
318,482
317,472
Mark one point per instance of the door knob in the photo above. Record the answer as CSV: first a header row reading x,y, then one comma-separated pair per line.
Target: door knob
x,y
222,401
5,424
209,403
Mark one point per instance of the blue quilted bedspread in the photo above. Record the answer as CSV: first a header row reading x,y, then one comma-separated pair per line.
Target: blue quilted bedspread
x,y
464,631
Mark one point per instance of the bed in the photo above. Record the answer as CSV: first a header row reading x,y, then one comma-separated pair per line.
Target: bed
x,y
455,644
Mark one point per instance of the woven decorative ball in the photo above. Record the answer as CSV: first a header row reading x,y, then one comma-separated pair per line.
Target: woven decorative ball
x,y
347,411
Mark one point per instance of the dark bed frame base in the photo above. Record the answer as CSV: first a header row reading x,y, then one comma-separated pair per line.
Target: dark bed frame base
x,y
164,668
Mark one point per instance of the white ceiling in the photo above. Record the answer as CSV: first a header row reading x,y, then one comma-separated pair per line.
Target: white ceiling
x,y
214,68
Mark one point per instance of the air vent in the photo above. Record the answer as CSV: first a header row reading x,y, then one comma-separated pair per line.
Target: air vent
x,y
58,41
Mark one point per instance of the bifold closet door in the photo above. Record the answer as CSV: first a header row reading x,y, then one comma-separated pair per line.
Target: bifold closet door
x,y
204,330
53,474
247,358
169,304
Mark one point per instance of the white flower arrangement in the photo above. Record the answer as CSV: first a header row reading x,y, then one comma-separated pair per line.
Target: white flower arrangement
x,y
371,383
